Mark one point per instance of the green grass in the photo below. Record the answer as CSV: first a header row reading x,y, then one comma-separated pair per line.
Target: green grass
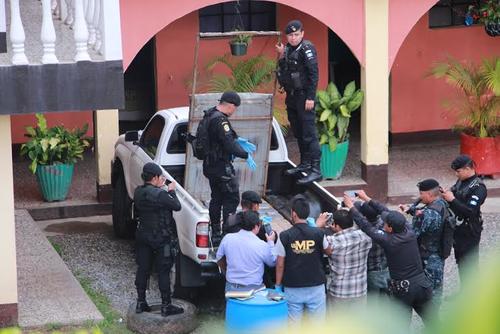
x,y
56,247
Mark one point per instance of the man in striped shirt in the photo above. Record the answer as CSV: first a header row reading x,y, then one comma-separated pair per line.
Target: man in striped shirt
x,y
348,262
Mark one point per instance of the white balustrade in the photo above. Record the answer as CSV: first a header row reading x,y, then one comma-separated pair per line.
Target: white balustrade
x,y
16,34
81,32
54,8
63,10
97,25
89,17
48,34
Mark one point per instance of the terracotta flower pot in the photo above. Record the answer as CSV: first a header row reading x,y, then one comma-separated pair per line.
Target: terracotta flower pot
x,y
484,151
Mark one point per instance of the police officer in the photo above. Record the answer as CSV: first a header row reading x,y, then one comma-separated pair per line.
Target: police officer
x,y
218,167
408,283
465,199
156,236
428,226
298,75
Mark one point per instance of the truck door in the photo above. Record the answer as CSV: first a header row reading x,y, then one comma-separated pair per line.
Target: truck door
x,y
149,147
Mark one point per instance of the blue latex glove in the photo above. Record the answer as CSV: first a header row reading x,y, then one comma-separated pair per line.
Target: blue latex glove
x,y
266,219
278,288
311,221
251,163
246,145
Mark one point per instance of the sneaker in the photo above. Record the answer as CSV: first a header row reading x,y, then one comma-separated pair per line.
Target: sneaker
x,y
170,309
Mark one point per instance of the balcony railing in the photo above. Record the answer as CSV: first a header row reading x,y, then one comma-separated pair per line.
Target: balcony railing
x,y
53,31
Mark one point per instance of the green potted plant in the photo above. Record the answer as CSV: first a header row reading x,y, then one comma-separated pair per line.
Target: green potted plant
x,y
239,44
333,113
53,153
477,105
487,13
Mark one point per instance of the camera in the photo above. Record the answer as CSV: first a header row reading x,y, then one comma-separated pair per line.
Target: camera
x,y
351,193
329,219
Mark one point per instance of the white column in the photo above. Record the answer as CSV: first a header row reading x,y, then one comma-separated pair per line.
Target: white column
x,y
16,35
375,83
96,24
8,263
111,30
81,32
89,17
106,134
48,35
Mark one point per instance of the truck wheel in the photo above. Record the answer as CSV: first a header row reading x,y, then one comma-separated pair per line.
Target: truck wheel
x,y
152,322
123,225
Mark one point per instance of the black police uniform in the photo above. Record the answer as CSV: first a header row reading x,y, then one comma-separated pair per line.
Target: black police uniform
x,y
156,237
303,265
298,75
408,283
469,194
219,170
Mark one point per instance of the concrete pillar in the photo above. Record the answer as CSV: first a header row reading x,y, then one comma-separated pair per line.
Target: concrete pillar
x,y
8,267
375,109
106,134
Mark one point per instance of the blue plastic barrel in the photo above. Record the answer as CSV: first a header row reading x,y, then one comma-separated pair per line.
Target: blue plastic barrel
x,y
255,315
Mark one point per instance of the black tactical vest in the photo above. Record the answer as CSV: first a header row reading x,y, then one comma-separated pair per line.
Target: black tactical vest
x,y
304,254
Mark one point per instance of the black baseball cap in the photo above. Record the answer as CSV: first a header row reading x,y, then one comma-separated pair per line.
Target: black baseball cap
x,y
251,196
461,161
293,26
231,97
152,168
427,185
394,219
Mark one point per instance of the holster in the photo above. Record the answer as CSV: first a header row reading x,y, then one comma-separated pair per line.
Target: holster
x,y
398,287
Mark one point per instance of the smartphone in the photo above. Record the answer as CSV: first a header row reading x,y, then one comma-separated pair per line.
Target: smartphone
x,y
351,193
268,228
329,218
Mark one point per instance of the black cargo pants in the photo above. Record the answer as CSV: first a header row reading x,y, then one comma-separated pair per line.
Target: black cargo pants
x,y
225,198
153,247
303,124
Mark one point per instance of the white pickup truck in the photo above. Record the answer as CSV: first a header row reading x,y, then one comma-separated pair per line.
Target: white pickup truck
x,y
161,142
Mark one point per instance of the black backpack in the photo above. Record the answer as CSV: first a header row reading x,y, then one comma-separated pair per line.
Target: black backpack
x,y
201,144
448,228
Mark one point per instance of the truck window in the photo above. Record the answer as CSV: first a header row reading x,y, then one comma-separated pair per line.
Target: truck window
x,y
177,144
150,138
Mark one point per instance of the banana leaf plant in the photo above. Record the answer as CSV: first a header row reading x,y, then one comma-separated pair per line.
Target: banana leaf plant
x,y
333,113
49,146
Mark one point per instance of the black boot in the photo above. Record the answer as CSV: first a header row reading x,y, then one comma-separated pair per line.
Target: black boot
x,y
170,309
313,175
304,166
216,235
142,306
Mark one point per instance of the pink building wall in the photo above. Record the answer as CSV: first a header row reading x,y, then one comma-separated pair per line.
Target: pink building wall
x,y
416,100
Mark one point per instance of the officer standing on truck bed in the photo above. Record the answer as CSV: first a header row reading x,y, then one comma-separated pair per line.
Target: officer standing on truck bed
x,y
298,75
465,199
156,236
218,165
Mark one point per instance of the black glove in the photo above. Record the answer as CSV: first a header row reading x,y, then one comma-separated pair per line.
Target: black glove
x,y
188,137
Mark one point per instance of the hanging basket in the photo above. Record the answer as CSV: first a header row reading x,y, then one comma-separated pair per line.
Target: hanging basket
x,y
238,49
54,181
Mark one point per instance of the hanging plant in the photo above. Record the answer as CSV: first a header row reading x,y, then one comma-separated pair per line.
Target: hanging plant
x,y
488,13
239,44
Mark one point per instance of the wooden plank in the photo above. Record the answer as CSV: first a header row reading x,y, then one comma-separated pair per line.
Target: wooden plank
x,y
253,121
236,33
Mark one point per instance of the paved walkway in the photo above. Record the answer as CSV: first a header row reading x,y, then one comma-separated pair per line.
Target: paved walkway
x,y
48,291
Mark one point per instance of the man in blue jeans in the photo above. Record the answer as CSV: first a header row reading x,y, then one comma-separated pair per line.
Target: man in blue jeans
x,y
299,266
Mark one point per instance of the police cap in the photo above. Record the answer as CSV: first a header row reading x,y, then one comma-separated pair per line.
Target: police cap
x,y
251,196
152,169
462,161
293,26
394,219
366,210
231,97
427,185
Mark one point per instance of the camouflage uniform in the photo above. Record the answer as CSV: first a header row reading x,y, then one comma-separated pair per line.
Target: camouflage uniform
x,y
428,227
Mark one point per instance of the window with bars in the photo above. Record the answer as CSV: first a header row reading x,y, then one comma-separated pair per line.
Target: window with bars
x,y
447,13
255,15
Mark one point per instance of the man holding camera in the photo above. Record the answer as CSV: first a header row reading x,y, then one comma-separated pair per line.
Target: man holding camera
x,y
298,75
156,236
465,199
408,283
